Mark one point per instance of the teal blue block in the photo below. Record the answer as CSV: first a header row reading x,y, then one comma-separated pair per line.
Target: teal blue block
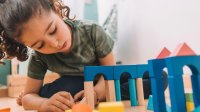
x,y
168,108
117,90
197,109
132,89
150,103
5,70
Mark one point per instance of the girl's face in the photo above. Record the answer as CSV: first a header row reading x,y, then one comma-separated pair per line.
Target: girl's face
x,y
47,33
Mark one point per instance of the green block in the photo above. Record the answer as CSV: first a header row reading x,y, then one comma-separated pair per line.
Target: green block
x,y
189,97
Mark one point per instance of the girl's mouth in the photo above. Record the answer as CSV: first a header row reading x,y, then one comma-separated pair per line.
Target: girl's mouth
x,y
64,45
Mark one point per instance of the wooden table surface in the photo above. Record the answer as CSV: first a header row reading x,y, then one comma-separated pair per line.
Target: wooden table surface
x,y
11,102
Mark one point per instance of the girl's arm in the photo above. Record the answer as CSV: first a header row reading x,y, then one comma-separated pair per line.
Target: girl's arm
x,y
31,99
59,102
100,86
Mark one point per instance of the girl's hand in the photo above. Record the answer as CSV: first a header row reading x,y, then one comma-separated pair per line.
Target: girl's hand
x,y
80,98
19,98
59,102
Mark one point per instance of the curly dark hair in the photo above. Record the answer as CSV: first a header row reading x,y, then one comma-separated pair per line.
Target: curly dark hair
x,y
13,14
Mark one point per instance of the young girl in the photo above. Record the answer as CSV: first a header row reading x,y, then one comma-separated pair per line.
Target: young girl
x,y
62,46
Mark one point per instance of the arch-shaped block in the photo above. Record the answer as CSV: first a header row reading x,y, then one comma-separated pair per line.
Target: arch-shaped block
x,y
91,71
120,69
175,64
141,69
175,70
156,67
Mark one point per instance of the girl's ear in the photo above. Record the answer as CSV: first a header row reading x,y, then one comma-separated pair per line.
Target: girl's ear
x,y
58,8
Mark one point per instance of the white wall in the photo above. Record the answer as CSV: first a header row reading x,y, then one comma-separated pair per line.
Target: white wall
x,y
104,7
146,26
76,6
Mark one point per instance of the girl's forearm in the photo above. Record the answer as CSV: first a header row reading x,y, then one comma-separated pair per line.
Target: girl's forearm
x,y
32,101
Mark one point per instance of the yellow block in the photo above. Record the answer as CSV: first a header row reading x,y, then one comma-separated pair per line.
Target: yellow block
x,y
190,106
111,107
71,110
68,110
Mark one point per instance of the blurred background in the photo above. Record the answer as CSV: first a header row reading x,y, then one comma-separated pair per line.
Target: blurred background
x,y
141,28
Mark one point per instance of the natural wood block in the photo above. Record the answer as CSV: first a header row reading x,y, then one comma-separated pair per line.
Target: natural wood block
x,y
3,91
89,93
16,80
14,91
110,91
7,109
20,80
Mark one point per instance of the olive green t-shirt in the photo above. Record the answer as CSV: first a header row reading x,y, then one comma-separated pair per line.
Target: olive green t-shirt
x,y
89,43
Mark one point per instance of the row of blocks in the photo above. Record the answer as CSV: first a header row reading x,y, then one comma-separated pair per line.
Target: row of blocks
x,y
155,67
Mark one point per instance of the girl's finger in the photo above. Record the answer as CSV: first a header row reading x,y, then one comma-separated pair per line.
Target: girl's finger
x,y
65,94
65,101
60,105
79,96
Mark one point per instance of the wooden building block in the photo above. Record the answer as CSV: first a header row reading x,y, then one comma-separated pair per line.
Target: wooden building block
x,y
189,97
110,90
81,108
140,92
197,109
111,107
16,80
150,103
183,50
20,80
190,106
14,91
3,91
164,53
14,66
89,93
7,109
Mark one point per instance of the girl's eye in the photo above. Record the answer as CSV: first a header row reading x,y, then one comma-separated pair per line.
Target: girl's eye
x,y
54,31
41,45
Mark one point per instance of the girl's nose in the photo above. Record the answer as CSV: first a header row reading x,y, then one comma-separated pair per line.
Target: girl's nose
x,y
60,44
56,44
53,43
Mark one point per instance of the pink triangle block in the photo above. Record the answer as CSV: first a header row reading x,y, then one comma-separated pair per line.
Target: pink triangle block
x,y
183,50
164,53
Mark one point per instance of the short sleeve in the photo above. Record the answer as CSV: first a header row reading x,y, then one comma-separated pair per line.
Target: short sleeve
x,y
102,41
36,68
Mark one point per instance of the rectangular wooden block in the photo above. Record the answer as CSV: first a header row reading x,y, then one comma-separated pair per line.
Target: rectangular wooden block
x,y
20,80
7,109
16,80
14,91
3,91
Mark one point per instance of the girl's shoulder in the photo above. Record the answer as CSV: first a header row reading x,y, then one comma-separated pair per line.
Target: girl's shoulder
x,y
80,23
